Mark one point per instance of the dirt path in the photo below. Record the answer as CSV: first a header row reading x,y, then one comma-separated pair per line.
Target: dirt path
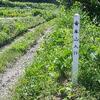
x,y
11,17
9,78
17,36
3,48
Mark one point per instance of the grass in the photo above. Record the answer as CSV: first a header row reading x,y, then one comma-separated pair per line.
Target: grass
x,y
11,28
45,6
20,20
17,12
18,48
49,77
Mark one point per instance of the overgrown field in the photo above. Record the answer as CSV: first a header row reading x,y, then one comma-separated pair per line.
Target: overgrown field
x,y
18,26
49,76
11,28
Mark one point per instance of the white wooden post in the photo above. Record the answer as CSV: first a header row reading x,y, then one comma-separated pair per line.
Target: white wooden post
x,y
75,62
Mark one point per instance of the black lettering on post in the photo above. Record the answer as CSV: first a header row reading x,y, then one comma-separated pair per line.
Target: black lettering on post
x,y
76,39
76,23
75,52
76,46
76,31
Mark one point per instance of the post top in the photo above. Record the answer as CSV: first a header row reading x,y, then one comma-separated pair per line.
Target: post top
x,y
77,14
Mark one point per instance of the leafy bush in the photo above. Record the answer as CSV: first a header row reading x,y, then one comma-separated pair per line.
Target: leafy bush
x,y
93,8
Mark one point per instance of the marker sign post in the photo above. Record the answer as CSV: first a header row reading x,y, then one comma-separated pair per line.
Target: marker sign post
x,y
75,48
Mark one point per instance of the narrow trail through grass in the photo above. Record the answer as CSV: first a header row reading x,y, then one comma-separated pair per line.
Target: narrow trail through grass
x,y
9,37
11,75
17,38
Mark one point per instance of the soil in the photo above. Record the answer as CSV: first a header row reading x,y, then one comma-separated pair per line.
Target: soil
x,y
10,77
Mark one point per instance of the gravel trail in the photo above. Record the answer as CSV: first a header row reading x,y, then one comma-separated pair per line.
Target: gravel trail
x,y
9,78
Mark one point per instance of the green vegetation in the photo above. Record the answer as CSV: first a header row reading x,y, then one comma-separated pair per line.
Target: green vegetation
x,y
17,12
93,8
46,6
19,47
10,28
21,21
49,76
